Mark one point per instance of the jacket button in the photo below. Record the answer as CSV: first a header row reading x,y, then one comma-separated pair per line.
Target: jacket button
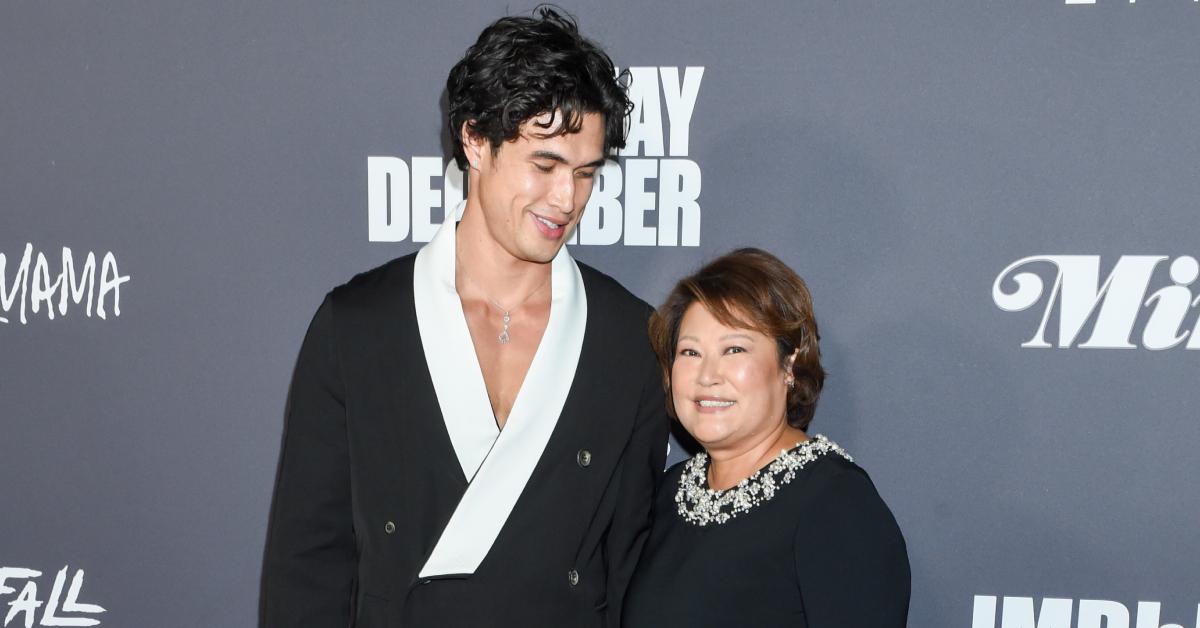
x,y
584,457
573,577
389,527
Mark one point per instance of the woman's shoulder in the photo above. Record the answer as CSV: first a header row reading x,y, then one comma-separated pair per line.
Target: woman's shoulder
x,y
834,469
838,496
838,479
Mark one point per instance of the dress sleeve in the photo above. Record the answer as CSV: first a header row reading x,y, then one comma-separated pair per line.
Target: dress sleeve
x,y
851,560
310,560
641,470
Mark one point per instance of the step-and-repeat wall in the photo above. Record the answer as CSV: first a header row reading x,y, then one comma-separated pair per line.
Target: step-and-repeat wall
x,y
995,204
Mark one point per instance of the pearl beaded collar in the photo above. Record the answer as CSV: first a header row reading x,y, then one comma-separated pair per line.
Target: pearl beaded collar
x,y
700,505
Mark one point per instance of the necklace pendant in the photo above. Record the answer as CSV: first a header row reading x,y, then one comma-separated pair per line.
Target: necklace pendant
x,y
504,333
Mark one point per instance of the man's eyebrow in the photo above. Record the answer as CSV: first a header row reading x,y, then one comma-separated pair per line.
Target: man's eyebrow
x,y
553,156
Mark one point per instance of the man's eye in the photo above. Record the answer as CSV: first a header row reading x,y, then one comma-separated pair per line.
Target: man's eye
x,y
543,168
586,174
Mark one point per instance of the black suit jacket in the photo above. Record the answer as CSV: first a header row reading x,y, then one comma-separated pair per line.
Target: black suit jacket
x,y
368,477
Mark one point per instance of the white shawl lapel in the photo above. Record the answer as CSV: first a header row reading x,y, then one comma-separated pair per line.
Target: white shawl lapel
x,y
497,463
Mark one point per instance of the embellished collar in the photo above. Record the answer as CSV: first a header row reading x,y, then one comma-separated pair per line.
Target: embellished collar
x,y
700,505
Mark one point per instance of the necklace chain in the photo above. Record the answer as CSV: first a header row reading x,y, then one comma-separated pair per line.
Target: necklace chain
x,y
700,505
506,311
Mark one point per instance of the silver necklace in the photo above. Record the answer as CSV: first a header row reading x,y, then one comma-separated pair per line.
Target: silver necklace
x,y
700,505
506,311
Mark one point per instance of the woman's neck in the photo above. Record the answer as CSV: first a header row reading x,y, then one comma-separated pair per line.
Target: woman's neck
x,y
728,466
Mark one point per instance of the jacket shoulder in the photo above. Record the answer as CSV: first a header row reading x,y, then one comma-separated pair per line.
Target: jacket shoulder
x,y
382,284
607,292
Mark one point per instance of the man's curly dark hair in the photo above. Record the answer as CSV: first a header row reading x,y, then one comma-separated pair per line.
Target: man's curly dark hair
x,y
522,67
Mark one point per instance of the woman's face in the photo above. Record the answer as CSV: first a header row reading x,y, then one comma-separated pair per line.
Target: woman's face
x,y
727,383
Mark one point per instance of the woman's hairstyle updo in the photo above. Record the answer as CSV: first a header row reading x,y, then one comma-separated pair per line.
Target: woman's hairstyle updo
x,y
750,289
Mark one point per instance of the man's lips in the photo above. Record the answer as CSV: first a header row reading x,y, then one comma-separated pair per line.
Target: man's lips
x,y
549,228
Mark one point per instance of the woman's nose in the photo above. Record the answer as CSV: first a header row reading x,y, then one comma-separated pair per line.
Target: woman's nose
x,y
709,372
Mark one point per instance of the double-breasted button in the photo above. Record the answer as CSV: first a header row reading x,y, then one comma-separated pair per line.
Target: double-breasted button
x,y
584,457
573,577
389,527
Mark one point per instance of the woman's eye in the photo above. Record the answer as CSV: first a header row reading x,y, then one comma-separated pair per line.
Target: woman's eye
x,y
688,352
735,350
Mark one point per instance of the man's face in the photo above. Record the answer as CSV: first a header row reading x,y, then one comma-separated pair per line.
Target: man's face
x,y
532,191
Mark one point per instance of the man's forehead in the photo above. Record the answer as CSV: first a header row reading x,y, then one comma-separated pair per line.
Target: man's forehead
x,y
584,146
551,121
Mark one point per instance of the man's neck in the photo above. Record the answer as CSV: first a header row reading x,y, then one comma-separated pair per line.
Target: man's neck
x,y
483,264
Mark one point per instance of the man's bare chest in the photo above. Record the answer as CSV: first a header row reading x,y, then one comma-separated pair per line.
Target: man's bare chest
x,y
504,365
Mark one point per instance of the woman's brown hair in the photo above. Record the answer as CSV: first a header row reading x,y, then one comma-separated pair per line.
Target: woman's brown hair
x,y
750,289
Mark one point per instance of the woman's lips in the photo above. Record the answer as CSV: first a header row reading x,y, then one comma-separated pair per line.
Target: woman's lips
x,y
714,404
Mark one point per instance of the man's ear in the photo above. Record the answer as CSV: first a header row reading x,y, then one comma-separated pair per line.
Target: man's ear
x,y
474,145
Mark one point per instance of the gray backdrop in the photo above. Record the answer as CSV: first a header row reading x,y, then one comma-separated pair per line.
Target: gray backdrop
x,y
900,156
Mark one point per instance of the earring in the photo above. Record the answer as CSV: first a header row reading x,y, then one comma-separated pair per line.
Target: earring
x,y
791,384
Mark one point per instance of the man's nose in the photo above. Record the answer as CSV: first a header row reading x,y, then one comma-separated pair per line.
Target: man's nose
x,y
562,194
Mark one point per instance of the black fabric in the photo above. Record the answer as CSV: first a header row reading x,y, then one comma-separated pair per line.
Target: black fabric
x,y
824,553
365,444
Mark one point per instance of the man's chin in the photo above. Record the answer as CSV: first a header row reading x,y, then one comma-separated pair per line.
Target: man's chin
x,y
543,251
542,257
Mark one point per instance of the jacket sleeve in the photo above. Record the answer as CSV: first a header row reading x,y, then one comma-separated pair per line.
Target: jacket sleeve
x,y
310,561
851,559
641,471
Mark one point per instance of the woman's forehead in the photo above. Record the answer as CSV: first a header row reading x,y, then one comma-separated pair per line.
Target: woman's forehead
x,y
700,318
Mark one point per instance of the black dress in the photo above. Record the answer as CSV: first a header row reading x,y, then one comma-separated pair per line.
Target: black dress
x,y
824,552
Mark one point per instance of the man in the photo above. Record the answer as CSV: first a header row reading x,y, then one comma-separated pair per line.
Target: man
x,y
474,432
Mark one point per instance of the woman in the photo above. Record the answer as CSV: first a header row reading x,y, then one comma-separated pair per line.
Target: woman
x,y
766,527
